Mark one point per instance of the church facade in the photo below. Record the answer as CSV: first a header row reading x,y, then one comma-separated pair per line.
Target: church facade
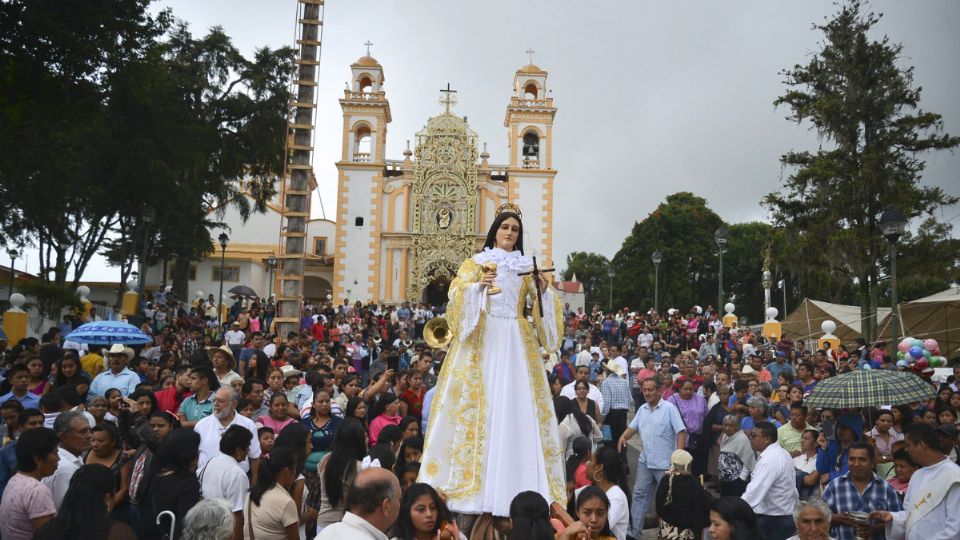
x,y
403,226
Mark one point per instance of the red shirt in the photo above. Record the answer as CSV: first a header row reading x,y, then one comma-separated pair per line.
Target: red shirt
x,y
414,400
168,400
318,331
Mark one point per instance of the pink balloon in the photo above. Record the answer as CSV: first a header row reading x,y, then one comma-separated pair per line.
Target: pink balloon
x,y
930,344
904,345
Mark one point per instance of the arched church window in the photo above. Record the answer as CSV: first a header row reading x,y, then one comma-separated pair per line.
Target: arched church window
x,y
363,144
366,85
531,91
531,145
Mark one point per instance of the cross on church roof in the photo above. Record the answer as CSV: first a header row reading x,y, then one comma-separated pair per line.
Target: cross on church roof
x,y
448,99
530,54
368,44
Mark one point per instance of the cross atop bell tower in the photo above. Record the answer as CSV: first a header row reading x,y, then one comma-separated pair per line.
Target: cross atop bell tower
x,y
448,99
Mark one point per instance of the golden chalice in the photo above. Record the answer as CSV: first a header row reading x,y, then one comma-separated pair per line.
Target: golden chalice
x,y
491,289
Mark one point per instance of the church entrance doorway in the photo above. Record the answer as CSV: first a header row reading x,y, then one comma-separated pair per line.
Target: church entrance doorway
x,y
435,293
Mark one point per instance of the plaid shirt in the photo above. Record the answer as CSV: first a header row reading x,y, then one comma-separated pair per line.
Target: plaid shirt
x,y
842,495
616,394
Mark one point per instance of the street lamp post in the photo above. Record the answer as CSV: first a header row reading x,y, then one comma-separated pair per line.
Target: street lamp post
x,y
13,263
657,257
271,263
892,224
720,236
146,215
611,273
223,238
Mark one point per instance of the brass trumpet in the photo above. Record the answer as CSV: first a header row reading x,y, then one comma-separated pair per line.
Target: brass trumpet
x,y
437,333
491,289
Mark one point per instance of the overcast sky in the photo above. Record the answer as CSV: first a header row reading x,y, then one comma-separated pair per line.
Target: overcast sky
x,y
652,97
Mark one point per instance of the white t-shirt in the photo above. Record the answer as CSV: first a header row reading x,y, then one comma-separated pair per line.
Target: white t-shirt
x,y
235,337
222,478
210,431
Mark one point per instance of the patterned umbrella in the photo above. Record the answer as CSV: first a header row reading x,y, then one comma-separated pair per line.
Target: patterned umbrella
x,y
108,332
869,388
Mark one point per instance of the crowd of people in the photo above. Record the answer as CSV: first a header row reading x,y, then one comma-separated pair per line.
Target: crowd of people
x,y
229,431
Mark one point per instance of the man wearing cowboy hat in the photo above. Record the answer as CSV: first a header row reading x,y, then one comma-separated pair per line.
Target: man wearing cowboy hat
x,y
223,362
616,400
118,376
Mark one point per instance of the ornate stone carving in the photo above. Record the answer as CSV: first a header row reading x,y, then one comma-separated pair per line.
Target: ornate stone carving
x,y
444,201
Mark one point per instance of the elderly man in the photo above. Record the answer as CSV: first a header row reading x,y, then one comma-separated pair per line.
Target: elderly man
x,y
212,428
118,376
772,491
583,374
75,438
662,431
373,504
859,490
812,518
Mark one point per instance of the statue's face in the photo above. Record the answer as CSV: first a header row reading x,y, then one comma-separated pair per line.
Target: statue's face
x,y
508,233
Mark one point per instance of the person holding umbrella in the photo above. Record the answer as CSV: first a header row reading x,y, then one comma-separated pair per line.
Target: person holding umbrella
x,y
118,376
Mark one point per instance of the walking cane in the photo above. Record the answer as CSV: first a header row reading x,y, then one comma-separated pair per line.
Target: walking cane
x,y
173,521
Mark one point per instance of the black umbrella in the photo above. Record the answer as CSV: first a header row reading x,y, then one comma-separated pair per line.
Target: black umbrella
x,y
243,290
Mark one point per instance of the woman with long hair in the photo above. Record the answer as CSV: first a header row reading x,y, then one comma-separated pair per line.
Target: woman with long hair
x,y
86,508
574,423
424,516
114,398
731,518
70,373
171,484
39,376
529,517
409,427
270,512
349,388
337,471
107,450
586,405
411,451
576,466
608,472
357,409
297,438
593,508
508,391
902,418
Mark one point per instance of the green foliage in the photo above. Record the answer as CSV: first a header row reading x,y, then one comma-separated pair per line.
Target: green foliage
x,y
682,227
50,298
865,109
591,269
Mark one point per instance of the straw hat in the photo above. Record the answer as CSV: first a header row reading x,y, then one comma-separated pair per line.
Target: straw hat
x,y
290,371
614,368
117,348
225,350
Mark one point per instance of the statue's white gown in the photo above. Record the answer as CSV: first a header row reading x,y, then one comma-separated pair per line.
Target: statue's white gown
x,y
492,432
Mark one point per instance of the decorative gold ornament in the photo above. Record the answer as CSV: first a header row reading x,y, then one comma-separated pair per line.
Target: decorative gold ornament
x,y
491,289
509,207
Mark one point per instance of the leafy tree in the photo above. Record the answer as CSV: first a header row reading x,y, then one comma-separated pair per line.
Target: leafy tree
x,y
743,267
57,190
865,108
591,270
682,228
207,128
50,298
928,262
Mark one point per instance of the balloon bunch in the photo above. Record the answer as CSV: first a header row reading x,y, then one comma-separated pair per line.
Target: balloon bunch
x,y
923,353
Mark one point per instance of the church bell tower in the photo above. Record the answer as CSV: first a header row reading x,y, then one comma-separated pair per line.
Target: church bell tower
x,y
529,123
366,113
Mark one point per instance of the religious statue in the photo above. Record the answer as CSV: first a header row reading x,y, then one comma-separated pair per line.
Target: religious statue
x,y
443,218
493,432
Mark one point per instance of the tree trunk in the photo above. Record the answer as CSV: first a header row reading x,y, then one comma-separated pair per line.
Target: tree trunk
x,y
181,277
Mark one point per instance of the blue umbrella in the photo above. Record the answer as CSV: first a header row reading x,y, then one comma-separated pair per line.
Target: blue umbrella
x,y
108,332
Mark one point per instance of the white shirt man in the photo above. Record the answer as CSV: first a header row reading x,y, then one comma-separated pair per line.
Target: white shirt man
x,y
214,426
235,337
772,491
222,477
645,339
75,438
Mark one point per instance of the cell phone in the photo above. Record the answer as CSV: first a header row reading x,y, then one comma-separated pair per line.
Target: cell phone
x,y
393,362
829,429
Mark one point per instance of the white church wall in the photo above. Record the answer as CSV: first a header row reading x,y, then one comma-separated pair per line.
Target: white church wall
x,y
355,278
258,229
531,192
